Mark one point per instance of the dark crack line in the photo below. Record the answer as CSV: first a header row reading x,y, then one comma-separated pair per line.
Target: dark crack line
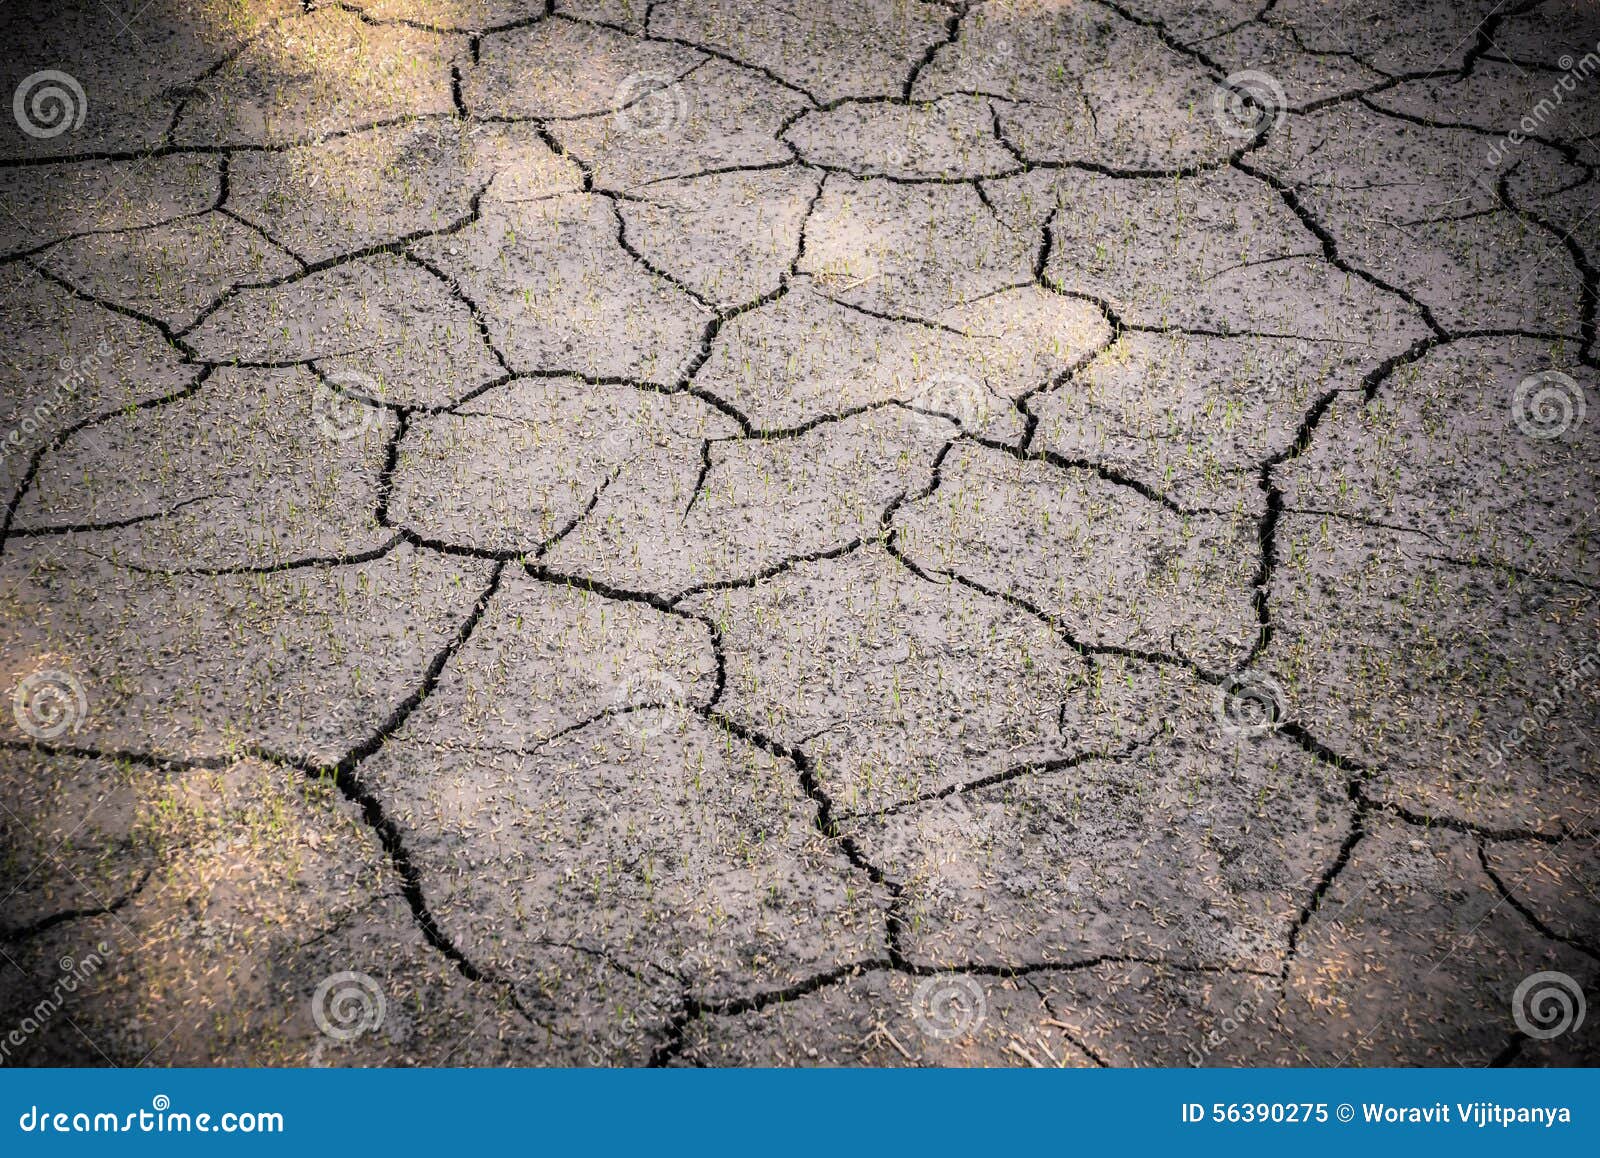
x,y
109,525
799,430
345,778
176,150
894,920
1021,970
1267,528
14,934
305,563
345,775
718,171
395,246
1361,520
719,54
149,226
1526,912
952,31
1503,567
479,317
391,463
1159,27
1032,767
31,474
262,233
700,480
1589,277
1569,152
1100,470
172,337
645,263
771,571
1330,248
1073,1038
572,524
1088,651
1485,832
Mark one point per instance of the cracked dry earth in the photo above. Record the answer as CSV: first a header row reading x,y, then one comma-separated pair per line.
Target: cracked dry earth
x,y
848,532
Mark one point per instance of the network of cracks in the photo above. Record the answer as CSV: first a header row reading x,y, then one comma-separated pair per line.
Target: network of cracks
x,y
872,531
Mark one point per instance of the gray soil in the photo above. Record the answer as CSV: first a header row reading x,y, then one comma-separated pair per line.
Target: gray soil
x,y
892,532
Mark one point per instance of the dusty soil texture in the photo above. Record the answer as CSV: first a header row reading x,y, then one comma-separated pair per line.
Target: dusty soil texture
x,y
893,532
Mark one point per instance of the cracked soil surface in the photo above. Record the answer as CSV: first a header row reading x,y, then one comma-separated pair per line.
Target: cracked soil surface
x,y
697,532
